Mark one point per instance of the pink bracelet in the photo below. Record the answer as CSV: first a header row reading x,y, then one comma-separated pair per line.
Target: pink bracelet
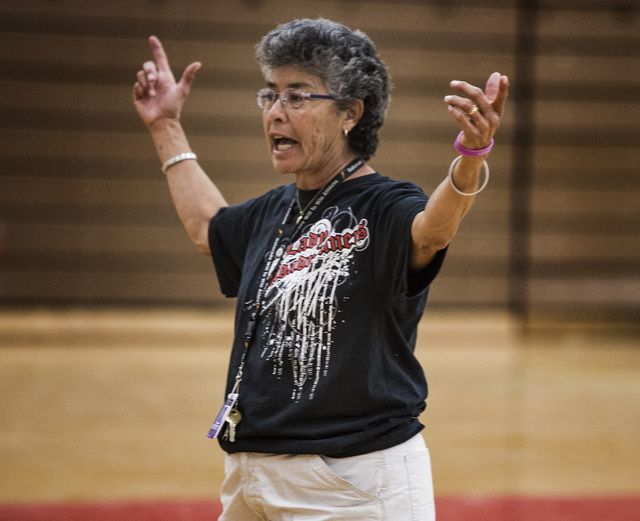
x,y
471,153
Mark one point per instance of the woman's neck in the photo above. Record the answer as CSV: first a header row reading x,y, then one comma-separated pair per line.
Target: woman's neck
x,y
320,180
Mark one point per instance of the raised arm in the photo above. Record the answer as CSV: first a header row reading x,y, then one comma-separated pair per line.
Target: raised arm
x,y
158,98
433,229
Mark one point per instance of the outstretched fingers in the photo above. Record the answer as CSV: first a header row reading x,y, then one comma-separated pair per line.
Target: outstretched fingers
x,y
492,87
159,55
470,109
479,112
500,99
162,64
472,96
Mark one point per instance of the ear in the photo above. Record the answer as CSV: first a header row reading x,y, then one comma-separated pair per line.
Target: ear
x,y
353,114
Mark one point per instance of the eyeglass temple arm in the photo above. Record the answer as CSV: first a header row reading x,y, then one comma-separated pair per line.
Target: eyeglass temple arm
x,y
322,96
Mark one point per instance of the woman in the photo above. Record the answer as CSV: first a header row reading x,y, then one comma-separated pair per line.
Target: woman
x,y
331,275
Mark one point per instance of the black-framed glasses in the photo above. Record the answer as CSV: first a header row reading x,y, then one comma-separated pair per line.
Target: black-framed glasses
x,y
290,98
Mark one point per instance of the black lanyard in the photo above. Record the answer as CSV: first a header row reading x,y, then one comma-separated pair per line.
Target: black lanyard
x,y
272,263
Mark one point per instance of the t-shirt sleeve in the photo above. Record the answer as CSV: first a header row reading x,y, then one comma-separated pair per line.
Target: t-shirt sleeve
x,y
236,232
397,209
228,239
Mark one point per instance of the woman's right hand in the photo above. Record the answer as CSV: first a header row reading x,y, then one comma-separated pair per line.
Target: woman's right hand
x,y
156,94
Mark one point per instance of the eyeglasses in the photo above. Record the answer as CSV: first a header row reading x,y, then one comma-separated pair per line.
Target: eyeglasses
x,y
290,98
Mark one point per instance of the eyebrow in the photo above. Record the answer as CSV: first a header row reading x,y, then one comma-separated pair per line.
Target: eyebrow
x,y
297,85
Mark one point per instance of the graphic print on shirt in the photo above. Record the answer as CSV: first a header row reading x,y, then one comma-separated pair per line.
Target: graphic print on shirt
x,y
301,304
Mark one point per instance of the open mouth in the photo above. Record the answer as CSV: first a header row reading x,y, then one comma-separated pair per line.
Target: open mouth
x,y
283,143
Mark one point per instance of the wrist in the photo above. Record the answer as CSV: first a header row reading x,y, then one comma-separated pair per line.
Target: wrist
x,y
483,152
169,138
164,124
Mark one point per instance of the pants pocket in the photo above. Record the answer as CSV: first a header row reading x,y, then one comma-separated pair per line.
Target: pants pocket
x,y
363,475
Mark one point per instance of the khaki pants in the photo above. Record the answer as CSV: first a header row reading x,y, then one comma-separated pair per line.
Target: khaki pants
x,y
393,484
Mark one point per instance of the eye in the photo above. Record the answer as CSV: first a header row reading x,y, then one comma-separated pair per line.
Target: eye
x,y
268,97
295,97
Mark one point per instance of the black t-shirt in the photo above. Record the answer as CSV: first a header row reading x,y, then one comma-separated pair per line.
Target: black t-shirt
x,y
331,369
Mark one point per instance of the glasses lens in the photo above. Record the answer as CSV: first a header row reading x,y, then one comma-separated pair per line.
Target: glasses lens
x,y
265,98
292,98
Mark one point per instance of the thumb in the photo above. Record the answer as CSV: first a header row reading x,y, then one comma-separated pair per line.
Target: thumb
x,y
188,76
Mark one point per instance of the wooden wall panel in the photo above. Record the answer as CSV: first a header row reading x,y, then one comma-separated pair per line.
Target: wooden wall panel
x,y
85,216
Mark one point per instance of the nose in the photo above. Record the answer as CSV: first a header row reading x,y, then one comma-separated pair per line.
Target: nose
x,y
277,110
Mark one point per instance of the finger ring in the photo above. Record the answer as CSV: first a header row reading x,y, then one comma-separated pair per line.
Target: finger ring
x,y
473,111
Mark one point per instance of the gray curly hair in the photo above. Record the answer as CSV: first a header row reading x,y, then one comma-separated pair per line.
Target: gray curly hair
x,y
347,63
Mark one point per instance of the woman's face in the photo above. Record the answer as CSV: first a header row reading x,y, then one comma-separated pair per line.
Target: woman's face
x,y
308,141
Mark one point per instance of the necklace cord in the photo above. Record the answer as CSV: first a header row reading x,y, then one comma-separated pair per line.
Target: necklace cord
x,y
303,210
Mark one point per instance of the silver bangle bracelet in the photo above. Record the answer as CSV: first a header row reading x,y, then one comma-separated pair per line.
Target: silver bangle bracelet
x,y
450,176
177,159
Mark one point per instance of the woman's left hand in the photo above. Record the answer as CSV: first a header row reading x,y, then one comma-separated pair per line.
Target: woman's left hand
x,y
479,113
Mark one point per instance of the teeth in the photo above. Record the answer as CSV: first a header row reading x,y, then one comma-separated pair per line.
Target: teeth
x,y
283,143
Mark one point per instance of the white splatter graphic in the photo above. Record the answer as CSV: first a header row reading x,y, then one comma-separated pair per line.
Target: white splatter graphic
x,y
301,302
